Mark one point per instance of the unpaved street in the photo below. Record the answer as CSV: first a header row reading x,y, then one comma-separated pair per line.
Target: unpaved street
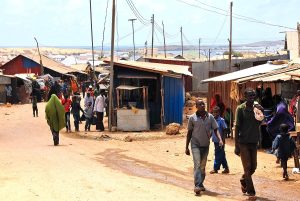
x,y
31,168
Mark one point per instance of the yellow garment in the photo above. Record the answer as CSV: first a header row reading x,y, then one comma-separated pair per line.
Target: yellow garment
x,y
55,113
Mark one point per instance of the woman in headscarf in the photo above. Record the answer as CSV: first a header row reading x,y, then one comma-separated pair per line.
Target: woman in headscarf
x,y
55,116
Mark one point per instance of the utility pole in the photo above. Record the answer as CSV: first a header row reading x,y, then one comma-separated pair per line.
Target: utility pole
x,y
298,29
230,40
41,63
209,55
181,42
152,21
111,81
164,39
132,21
92,38
199,48
146,49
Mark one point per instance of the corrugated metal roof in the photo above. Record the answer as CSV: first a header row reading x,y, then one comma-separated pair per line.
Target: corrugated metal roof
x,y
51,64
156,67
246,72
291,73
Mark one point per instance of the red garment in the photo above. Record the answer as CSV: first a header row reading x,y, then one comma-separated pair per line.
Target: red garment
x,y
91,91
293,105
67,104
74,86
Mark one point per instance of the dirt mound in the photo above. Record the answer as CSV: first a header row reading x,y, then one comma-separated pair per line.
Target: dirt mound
x,y
173,129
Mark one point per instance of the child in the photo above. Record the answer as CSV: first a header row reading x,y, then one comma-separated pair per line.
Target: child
x,y
34,106
286,146
88,112
76,108
220,157
66,102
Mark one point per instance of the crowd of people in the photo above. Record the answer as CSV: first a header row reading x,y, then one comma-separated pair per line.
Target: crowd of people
x,y
269,118
70,100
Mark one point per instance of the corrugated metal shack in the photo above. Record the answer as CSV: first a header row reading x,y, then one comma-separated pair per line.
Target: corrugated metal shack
x,y
165,85
31,64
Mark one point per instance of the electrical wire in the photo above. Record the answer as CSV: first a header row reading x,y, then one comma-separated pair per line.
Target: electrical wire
x,y
240,17
221,29
104,27
137,13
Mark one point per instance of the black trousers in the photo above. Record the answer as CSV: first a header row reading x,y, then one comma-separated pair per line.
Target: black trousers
x,y
284,166
249,161
35,111
99,123
55,135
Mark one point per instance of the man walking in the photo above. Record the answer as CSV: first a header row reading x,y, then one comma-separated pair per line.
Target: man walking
x,y
246,139
200,127
99,110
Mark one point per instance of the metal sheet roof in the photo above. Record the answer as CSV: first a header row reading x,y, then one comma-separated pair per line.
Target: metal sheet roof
x,y
259,77
51,64
292,73
165,69
246,72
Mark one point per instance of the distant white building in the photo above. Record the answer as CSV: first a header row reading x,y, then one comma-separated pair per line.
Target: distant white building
x,y
292,44
72,60
57,57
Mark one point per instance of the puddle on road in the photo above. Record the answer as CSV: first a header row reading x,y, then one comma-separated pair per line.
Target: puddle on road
x,y
219,185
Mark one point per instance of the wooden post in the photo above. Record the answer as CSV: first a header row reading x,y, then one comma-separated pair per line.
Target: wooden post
x,y
162,102
164,39
41,63
111,84
230,40
118,98
298,29
152,44
144,97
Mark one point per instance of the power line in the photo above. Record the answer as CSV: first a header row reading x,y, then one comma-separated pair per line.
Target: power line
x,y
104,28
137,13
240,17
145,21
219,32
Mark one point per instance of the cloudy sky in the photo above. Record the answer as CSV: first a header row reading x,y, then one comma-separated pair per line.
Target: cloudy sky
x,y
67,22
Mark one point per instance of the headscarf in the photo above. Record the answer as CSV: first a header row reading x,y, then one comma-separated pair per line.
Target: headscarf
x,y
55,113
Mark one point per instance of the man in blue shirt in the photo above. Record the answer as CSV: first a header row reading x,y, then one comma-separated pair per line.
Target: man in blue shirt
x,y
220,157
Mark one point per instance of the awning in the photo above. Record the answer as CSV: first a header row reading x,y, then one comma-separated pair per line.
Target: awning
x,y
280,77
127,87
128,76
256,70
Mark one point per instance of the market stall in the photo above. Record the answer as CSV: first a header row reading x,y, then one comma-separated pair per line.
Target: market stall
x,y
132,108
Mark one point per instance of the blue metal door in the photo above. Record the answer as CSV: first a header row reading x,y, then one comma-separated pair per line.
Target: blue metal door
x,y
173,100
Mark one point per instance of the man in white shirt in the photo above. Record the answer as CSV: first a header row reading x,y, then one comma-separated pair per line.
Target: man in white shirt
x,y
99,110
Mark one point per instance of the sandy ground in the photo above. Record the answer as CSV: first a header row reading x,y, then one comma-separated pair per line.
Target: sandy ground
x,y
91,166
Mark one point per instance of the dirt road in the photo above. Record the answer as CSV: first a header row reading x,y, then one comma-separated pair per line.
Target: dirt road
x,y
31,168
